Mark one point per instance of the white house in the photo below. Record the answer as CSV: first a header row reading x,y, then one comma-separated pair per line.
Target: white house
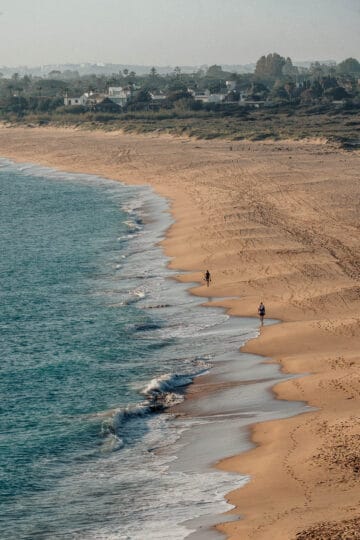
x,y
230,85
157,96
114,91
70,101
119,95
200,96
207,96
216,98
87,99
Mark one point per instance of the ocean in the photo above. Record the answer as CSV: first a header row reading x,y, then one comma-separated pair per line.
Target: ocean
x,y
97,340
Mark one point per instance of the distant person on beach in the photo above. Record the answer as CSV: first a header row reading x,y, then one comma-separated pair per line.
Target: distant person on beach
x,y
207,277
261,312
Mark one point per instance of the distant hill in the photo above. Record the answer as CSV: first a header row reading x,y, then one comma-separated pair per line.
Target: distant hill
x,y
307,63
108,69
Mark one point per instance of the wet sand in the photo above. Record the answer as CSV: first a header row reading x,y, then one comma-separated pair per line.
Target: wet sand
x,y
277,222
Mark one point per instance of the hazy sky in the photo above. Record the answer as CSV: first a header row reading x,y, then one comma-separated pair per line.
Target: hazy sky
x,y
176,32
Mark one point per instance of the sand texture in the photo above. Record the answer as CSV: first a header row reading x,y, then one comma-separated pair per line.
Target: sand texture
x,y
277,222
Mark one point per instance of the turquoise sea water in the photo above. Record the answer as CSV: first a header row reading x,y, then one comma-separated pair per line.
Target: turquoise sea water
x,y
95,341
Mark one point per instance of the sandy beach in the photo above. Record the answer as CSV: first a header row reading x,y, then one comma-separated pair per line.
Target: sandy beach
x,y
277,222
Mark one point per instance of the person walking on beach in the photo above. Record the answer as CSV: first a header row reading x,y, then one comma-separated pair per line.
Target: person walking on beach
x,y
207,277
261,312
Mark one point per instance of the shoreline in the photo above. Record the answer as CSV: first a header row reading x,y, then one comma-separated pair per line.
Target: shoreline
x,y
309,280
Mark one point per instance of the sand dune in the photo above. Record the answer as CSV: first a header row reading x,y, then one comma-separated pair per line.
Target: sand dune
x,y
277,222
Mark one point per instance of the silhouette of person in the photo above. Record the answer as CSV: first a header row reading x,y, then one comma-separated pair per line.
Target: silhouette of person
x,y
207,277
261,312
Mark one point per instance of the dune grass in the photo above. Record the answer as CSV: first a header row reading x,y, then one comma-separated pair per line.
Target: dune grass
x,y
335,124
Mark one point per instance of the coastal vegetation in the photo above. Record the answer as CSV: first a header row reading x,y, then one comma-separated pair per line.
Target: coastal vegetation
x,y
278,100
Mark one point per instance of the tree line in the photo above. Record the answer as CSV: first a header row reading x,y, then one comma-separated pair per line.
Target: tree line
x,y
275,79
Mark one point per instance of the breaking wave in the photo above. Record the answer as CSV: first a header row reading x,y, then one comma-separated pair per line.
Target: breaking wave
x,y
160,393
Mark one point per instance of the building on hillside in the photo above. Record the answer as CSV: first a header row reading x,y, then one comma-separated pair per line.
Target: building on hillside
x,y
207,96
216,98
93,98
119,95
106,105
158,100
88,99
158,96
199,96
114,91
230,85
71,101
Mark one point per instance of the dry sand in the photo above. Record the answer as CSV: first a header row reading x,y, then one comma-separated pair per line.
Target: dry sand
x,y
277,222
